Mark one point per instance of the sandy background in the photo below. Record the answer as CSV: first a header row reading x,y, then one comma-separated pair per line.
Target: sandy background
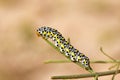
x,y
89,24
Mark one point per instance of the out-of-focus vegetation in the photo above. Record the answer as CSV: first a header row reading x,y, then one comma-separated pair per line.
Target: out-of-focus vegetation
x,y
110,36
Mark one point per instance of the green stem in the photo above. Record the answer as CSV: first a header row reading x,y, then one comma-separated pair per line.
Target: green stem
x,y
113,66
101,49
67,61
117,61
86,75
116,72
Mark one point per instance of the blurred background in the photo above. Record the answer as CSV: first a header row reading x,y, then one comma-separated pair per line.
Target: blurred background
x,y
89,24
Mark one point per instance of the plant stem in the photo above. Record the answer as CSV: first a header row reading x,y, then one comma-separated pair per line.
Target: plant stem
x,y
86,75
101,49
67,61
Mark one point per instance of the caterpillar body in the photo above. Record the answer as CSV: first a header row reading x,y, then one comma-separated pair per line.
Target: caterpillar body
x,y
64,46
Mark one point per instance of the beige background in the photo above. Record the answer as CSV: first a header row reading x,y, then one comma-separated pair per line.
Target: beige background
x,y
89,24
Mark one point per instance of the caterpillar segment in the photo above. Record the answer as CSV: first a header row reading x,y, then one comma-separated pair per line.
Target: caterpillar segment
x,y
64,46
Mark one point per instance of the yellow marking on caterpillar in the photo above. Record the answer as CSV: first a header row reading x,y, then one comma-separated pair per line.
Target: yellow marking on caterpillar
x,y
48,33
72,53
79,58
44,33
58,41
62,46
67,50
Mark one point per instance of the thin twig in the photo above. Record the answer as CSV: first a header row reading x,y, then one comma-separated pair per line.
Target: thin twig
x,y
116,71
67,61
86,75
113,66
69,40
57,61
117,61
101,49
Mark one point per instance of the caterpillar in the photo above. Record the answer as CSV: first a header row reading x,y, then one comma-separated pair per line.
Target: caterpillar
x,y
64,46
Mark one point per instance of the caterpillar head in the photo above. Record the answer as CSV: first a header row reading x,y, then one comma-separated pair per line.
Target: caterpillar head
x,y
41,31
38,32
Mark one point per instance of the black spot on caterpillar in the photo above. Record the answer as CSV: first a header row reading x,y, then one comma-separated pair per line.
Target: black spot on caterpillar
x,y
64,46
